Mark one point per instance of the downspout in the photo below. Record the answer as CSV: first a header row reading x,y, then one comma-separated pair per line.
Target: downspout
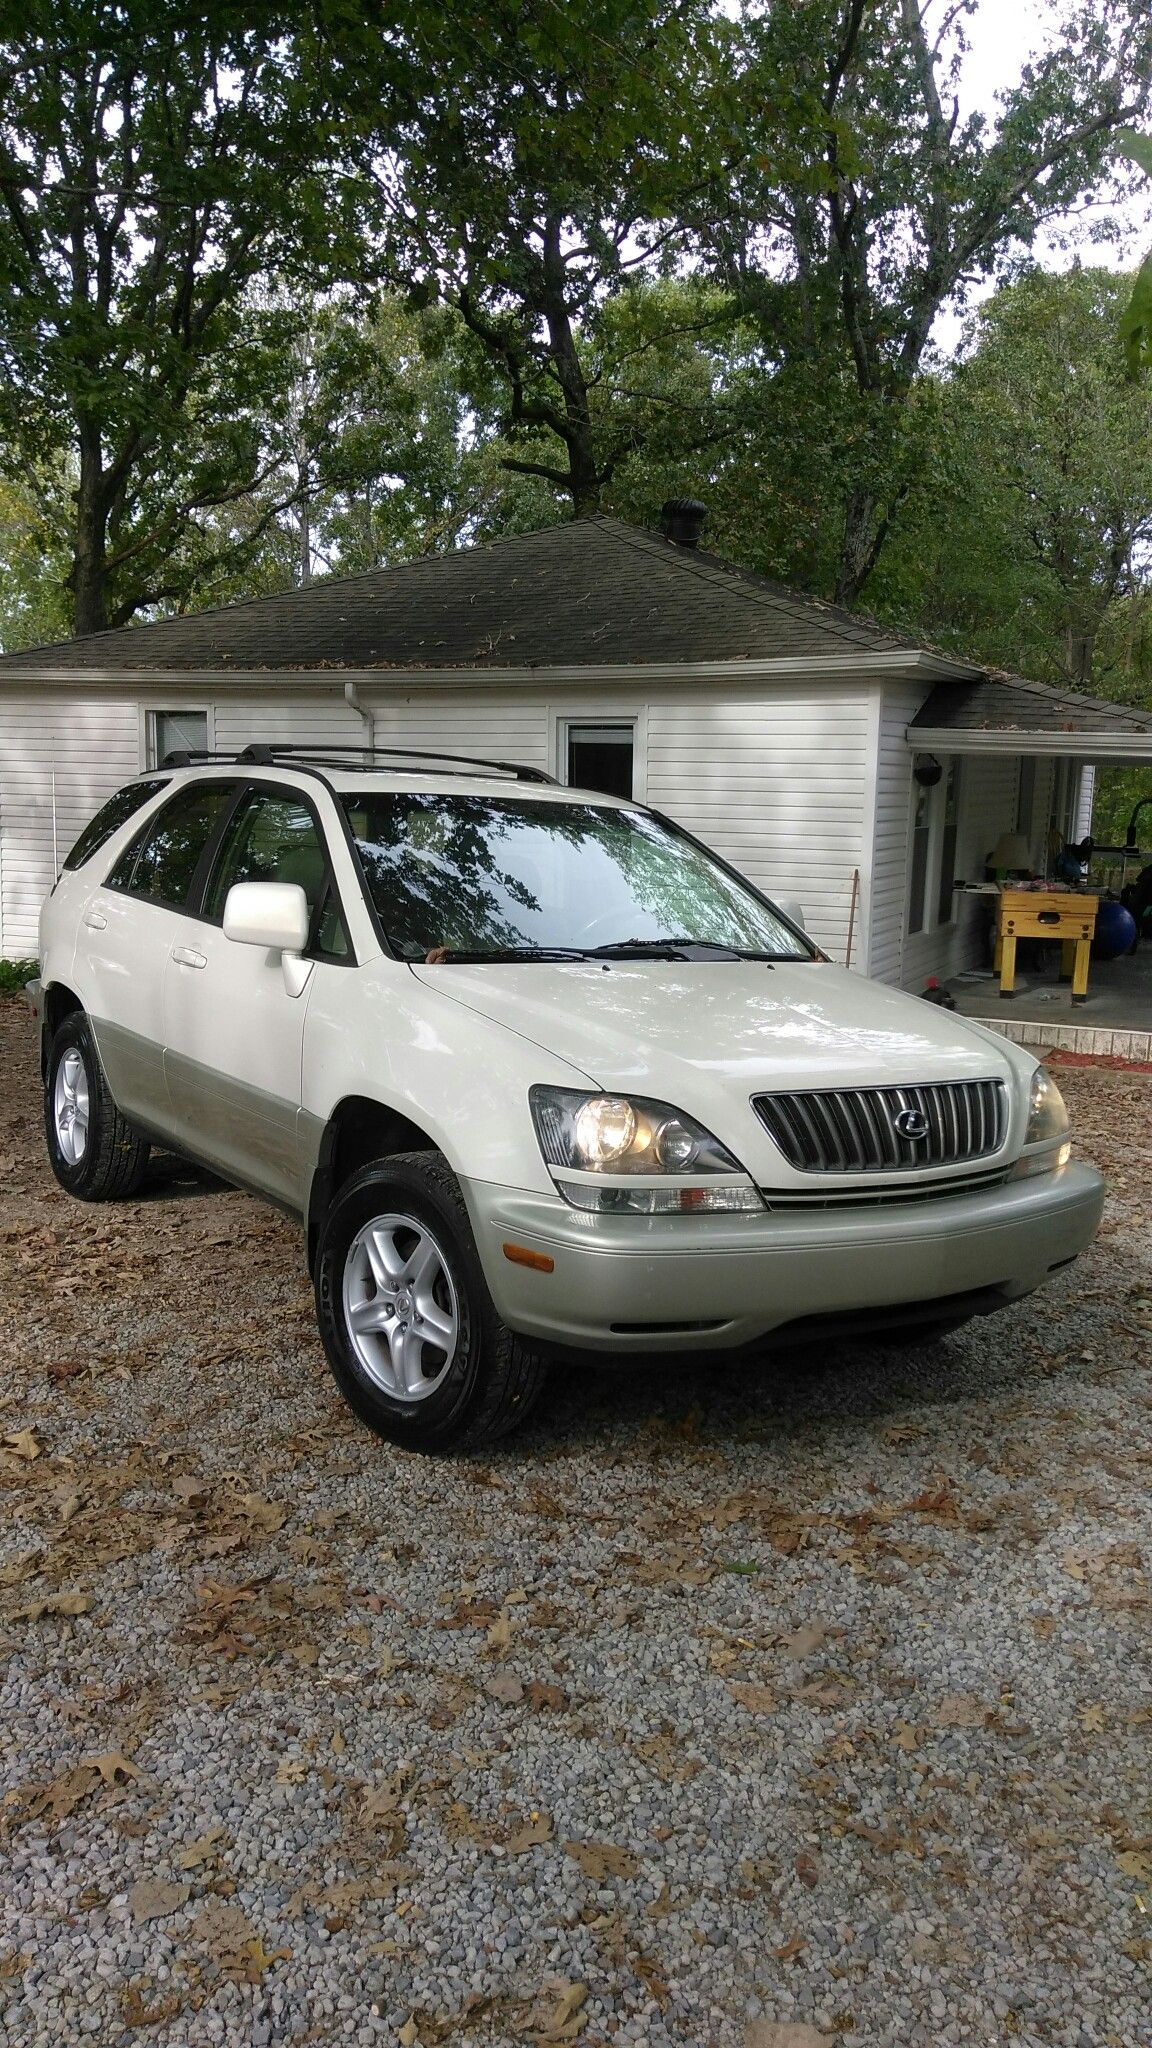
x,y
352,699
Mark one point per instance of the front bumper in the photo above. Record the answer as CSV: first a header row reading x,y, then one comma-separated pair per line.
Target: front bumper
x,y
645,1283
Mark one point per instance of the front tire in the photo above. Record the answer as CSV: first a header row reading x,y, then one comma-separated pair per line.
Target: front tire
x,y
410,1330
93,1151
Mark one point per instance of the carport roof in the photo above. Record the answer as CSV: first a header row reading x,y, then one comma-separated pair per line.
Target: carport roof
x,y
1008,714
593,592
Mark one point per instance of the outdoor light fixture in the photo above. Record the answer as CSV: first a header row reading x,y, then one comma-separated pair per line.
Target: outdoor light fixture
x,y
926,770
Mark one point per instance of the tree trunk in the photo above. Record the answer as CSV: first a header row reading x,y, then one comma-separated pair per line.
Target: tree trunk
x,y
88,579
858,549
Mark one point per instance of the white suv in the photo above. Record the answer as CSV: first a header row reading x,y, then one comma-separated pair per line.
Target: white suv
x,y
535,1069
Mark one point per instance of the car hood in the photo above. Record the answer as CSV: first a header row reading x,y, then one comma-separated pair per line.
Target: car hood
x,y
640,1025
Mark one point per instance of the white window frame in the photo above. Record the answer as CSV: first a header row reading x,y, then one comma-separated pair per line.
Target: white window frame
x,y
561,723
149,713
937,801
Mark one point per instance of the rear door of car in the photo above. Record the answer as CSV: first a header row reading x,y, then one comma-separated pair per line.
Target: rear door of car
x,y
125,933
233,1030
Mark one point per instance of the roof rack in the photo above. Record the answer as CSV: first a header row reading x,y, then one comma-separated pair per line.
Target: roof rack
x,y
261,754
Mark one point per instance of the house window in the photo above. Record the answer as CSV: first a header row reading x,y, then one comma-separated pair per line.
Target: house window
x,y
172,732
932,866
601,757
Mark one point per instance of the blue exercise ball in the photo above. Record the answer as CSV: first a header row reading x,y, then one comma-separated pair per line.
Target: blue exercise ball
x,y
1115,932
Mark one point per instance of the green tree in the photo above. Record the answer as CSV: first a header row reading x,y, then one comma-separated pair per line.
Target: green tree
x,y
153,165
887,205
1037,546
529,185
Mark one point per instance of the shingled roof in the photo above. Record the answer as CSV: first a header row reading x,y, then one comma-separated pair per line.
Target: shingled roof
x,y
1011,704
594,591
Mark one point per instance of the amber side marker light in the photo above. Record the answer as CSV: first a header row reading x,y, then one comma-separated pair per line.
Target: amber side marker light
x,y
521,1256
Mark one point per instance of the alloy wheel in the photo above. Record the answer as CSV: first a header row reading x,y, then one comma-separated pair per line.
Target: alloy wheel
x,y
401,1309
71,1108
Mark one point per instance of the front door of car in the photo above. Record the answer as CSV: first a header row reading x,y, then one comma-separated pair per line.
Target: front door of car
x,y
125,935
233,1029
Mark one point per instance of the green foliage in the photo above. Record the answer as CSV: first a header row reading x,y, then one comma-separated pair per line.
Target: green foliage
x,y
1136,320
1029,545
16,974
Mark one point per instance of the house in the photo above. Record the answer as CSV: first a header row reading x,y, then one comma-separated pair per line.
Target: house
x,y
834,763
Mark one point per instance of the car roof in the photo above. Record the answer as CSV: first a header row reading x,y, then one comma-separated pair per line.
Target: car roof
x,y
344,782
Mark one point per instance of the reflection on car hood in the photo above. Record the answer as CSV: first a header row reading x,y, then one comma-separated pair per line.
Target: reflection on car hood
x,y
740,1024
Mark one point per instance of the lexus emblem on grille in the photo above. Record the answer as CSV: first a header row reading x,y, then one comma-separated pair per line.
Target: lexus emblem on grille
x,y
912,1123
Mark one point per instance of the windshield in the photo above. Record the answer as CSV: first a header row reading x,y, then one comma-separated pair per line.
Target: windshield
x,y
493,877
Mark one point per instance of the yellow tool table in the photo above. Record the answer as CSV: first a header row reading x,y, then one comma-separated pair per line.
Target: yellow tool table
x,y
1062,914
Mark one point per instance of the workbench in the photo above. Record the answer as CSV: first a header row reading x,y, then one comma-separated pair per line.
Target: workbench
x,y
1064,915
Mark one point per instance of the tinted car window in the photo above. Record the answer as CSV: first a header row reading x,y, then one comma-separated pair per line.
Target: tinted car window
x,y
110,817
272,838
162,863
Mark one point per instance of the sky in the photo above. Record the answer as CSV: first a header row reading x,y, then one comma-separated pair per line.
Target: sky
x,y
1001,36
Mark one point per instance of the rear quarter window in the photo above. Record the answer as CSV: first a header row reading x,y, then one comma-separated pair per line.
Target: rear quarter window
x,y
111,816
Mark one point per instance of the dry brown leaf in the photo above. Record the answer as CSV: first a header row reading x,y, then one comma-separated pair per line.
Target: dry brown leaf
x,y
113,1766
544,1697
759,1699
807,1869
504,1685
23,1444
222,1927
500,1635
804,1641
959,1710
1092,1719
536,1830
250,1961
52,1603
603,1859
906,1736
409,2033
1136,1863
203,1850
153,1898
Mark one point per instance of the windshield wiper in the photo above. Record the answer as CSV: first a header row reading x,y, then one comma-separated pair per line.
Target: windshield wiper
x,y
676,949
454,956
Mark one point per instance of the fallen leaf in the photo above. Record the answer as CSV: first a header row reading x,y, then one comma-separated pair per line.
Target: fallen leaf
x,y
504,1685
759,1699
203,1850
1136,1863
803,1641
222,1927
790,1950
543,1697
807,1869
250,1961
23,1444
958,1710
1091,1719
603,1859
52,1603
409,2033
153,1898
113,1766
536,1830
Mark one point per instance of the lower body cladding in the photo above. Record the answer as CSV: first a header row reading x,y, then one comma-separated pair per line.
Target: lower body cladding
x,y
662,1283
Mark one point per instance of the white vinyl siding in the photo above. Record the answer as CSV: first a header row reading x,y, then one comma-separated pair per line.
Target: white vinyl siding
x,y
84,749
774,779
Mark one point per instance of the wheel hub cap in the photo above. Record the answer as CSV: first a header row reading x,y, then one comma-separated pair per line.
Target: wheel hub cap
x,y
401,1310
71,1107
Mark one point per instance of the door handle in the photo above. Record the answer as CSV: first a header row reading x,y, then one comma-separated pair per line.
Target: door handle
x,y
187,956
95,921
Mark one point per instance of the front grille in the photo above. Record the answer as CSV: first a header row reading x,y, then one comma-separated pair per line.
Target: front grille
x,y
857,1130
884,1198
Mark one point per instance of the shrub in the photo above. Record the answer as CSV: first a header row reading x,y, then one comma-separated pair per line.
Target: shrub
x,y
16,974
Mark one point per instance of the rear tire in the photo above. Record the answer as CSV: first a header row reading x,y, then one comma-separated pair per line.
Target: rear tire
x,y
411,1332
93,1151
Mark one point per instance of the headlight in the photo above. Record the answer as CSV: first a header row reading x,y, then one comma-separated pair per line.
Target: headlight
x,y
1047,1114
1047,1127
621,1137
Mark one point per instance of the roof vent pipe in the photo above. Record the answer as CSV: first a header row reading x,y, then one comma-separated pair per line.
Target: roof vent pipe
x,y
681,520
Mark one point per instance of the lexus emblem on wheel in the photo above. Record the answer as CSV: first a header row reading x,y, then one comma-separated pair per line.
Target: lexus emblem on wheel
x,y
912,1123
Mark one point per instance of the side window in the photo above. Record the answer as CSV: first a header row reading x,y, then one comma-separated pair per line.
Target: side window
x,y
275,838
109,818
161,864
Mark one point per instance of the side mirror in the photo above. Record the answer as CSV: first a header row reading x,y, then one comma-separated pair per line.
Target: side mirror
x,y
271,914
792,910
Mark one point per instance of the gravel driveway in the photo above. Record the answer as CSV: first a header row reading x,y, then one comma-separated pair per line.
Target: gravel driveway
x,y
729,1705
